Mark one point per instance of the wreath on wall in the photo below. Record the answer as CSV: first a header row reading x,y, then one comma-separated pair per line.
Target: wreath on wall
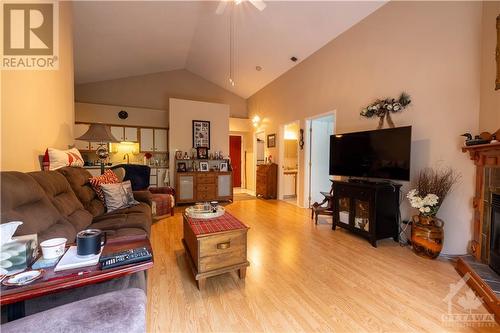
x,y
383,108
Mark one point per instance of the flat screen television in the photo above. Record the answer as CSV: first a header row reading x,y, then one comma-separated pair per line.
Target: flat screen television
x,y
381,153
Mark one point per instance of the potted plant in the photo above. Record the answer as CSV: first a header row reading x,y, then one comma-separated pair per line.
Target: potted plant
x,y
430,190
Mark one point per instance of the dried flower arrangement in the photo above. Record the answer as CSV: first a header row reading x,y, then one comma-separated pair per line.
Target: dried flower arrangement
x,y
431,188
383,108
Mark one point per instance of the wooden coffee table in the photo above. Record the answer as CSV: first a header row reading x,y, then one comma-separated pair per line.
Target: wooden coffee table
x,y
52,282
215,246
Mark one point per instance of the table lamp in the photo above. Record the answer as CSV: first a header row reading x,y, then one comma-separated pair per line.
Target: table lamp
x,y
99,133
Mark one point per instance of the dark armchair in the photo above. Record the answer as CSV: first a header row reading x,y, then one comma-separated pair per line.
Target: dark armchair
x,y
162,197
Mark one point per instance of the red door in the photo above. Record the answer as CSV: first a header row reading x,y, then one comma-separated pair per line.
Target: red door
x,y
235,154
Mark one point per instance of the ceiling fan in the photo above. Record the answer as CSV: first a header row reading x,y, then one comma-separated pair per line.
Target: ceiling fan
x,y
259,4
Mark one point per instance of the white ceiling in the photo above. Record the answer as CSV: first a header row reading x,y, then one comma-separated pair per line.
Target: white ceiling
x,y
117,39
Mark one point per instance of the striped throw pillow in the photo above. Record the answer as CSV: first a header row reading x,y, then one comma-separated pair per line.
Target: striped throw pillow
x,y
108,177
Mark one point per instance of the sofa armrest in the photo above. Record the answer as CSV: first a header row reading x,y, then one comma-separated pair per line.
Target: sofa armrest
x,y
163,190
143,196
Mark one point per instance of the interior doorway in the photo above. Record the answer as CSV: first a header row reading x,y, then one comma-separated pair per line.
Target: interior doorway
x,y
289,162
235,143
317,156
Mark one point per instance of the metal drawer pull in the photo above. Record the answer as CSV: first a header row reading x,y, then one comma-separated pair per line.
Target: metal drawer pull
x,y
225,245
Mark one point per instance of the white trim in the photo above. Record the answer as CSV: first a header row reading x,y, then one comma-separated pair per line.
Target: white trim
x,y
307,151
281,151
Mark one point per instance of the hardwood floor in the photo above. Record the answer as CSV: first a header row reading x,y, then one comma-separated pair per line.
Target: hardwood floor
x,y
301,277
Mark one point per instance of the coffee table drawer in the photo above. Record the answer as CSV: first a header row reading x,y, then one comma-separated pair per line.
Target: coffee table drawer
x,y
236,256
224,243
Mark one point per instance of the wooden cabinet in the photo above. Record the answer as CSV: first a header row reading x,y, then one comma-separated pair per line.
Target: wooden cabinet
x,y
130,134
160,175
118,133
267,181
367,208
147,140
203,186
160,140
153,140
127,134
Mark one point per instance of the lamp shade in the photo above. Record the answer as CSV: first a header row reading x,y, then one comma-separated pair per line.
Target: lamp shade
x,y
98,133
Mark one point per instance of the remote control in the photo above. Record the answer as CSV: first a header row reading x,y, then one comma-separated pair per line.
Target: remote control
x,y
124,258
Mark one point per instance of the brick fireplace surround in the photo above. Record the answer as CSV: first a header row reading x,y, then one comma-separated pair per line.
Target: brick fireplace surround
x,y
487,161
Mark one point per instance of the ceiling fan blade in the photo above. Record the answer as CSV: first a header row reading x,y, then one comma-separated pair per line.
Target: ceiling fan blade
x,y
259,4
220,8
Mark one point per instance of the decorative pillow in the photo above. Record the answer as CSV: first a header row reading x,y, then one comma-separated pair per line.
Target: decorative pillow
x,y
119,195
108,177
55,159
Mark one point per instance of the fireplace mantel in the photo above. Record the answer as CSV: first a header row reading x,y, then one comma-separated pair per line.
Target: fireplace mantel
x,y
484,156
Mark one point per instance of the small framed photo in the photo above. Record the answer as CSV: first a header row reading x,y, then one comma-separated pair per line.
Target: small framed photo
x,y
203,166
223,166
181,167
202,153
271,141
178,155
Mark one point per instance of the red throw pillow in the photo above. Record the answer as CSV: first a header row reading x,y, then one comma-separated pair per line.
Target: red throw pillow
x,y
108,177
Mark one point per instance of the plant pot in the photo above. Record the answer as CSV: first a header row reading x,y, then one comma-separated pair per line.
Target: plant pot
x,y
427,236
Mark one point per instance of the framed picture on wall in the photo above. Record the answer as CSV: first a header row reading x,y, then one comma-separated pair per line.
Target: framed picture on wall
x,y
201,133
271,141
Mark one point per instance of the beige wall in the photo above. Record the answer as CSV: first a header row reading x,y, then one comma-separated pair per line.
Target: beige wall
x,y
181,134
37,106
99,113
154,91
489,117
429,49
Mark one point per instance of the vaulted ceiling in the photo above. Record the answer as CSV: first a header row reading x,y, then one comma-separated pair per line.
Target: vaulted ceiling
x,y
116,39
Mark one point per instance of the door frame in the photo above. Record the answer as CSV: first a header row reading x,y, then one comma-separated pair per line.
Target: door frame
x,y
281,153
307,152
242,159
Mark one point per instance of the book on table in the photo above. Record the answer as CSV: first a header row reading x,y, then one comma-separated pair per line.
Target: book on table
x,y
71,260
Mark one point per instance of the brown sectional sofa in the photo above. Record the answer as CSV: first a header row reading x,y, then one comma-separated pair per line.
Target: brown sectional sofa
x,y
61,203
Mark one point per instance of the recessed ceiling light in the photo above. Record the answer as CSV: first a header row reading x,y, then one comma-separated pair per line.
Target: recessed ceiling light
x,y
258,68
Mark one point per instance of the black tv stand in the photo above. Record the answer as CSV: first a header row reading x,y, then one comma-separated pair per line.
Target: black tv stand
x,y
369,209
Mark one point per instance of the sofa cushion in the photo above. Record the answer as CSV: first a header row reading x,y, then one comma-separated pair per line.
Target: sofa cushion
x,y
138,216
63,198
23,199
78,179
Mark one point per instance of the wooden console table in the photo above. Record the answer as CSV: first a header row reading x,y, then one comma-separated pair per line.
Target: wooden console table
x,y
215,246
